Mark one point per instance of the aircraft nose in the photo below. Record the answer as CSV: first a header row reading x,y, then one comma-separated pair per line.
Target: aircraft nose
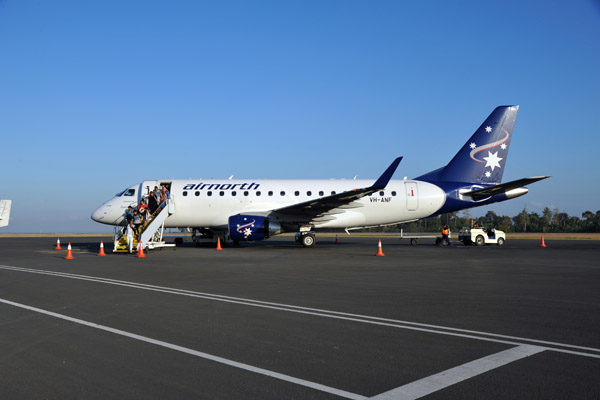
x,y
98,214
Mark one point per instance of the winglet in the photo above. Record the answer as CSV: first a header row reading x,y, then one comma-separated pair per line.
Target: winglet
x,y
383,180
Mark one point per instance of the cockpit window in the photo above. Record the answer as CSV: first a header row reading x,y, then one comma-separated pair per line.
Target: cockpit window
x,y
127,192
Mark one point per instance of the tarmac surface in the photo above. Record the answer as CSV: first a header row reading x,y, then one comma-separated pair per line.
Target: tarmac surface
x,y
273,320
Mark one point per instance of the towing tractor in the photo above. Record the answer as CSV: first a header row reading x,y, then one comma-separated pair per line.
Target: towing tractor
x,y
481,236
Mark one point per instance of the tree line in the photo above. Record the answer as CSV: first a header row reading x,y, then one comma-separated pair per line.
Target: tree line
x,y
550,220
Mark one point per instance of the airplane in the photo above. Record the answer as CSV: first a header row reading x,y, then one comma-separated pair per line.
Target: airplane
x,y
4,212
250,210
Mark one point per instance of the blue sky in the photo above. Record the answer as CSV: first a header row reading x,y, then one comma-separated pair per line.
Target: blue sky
x,y
96,96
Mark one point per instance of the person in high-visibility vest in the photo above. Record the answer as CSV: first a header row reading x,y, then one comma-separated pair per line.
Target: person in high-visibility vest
x,y
446,234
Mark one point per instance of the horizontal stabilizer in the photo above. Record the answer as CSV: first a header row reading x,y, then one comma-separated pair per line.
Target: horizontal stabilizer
x,y
502,188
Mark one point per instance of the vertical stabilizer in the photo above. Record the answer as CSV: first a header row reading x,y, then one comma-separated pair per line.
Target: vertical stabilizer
x,y
483,157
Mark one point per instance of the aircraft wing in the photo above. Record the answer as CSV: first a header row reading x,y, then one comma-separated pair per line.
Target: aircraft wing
x,y
317,209
502,188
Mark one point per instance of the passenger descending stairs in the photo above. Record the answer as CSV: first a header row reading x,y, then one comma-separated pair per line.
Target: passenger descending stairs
x,y
152,232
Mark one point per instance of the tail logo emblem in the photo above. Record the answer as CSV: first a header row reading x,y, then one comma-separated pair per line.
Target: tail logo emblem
x,y
492,159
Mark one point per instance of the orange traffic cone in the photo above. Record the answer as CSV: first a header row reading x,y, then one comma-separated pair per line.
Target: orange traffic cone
x,y
140,251
101,249
543,243
69,253
219,244
380,250
58,244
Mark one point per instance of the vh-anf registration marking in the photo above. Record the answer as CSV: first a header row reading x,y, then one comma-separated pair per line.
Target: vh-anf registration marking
x,y
380,199
257,209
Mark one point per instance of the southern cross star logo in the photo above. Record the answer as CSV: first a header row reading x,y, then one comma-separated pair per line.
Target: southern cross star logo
x,y
245,229
492,160
475,149
488,129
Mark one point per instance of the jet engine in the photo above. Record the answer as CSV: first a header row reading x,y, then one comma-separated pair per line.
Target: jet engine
x,y
252,227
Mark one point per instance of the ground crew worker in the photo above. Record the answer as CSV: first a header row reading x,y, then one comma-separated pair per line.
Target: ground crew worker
x,y
446,234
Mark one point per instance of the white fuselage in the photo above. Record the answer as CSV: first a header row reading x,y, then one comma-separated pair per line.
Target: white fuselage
x,y
210,203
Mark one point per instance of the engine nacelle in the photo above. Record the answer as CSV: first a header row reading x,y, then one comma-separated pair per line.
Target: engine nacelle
x,y
252,227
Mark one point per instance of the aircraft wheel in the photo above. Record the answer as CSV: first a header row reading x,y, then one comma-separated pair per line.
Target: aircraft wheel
x,y
500,241
414,242
308,240
479,240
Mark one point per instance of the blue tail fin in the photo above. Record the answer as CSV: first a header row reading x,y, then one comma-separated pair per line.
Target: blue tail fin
x,y
483,158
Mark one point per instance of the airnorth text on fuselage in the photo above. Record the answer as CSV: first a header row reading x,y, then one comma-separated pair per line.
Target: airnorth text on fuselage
x,y
221,186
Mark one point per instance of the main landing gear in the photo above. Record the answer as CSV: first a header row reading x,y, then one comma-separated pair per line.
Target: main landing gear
x,y
306,239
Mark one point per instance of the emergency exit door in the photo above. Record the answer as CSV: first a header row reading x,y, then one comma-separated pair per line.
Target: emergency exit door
x,y
412,196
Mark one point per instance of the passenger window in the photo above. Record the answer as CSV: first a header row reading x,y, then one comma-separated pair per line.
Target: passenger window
x,y
297,193
309,193
185,193
209,193
321,193
233,193
282,193
246,193
332,192
381,193
221,193
270,193
257,193
197,193
393,193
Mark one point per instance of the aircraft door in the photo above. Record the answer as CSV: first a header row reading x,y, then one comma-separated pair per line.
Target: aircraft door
x,y
171,203
146,188
412,196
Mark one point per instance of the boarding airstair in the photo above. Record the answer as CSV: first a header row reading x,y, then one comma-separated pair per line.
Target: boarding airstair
x,y
151,232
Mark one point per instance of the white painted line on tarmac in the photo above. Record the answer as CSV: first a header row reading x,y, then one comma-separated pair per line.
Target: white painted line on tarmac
x,y
415,326
433,383
186,350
